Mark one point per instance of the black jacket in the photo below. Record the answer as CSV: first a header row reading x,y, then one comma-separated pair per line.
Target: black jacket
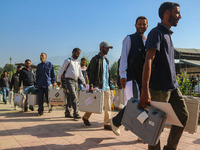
x,y
28,77
95,71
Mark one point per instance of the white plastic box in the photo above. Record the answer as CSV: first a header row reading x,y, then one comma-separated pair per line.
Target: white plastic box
x,y
91,102
32,99
119,99
19,99
11,97
192,104
57,97
1,98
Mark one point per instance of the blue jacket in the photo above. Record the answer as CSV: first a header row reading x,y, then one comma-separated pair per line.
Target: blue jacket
x,y
45,75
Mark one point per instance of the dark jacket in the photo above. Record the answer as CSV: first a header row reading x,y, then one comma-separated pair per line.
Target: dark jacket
x,y
15,81
137,51
95,71
5,81
28,77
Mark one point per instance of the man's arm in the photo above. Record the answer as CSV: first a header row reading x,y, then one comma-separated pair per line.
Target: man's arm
x,y
20,79
145,97
123,65
81,76
12,82
53,78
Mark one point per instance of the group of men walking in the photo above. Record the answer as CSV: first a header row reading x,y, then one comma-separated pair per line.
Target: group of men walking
x,y
156,81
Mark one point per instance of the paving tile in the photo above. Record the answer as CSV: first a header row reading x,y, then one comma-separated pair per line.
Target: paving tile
x,y
52,131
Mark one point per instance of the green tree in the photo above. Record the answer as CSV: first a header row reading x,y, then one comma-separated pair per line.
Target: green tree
x,y
185,85
10,68
56,69
113,71
1,70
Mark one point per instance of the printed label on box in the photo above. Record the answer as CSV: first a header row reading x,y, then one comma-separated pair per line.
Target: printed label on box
x,y
17,99
88,101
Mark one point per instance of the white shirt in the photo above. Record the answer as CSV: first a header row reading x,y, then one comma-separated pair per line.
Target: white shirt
x,y
73,71
126,47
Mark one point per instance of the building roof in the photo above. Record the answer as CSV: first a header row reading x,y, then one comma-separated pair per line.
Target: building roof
x,y
188,50
195,63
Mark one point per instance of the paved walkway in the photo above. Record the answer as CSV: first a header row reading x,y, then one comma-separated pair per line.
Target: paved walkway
x,y
22,131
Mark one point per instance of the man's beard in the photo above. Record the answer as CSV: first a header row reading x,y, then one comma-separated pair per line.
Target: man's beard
x,y
172,21
104,52
75,57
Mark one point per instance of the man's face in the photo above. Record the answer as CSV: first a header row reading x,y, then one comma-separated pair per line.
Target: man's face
x,y
76,54
28,64
141,25
43,57
83,62
5,74
174,17
105,50
18,69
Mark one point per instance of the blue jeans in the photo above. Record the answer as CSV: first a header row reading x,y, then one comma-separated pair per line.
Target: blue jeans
x,y
80,86
5,93
27,90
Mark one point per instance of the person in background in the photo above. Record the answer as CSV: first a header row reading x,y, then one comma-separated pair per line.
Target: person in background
x,y
84,72
27,77
15,82
5,84
99,77
72,69
44,78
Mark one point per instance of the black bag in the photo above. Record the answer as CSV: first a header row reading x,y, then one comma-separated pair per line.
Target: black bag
x,y
63,79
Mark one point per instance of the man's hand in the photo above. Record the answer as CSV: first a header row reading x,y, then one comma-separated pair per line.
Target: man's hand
x,y
123,82
54,85
58,83
84,85
91,89
145,98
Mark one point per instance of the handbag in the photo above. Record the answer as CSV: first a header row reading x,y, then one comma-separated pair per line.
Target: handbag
x,y
63,79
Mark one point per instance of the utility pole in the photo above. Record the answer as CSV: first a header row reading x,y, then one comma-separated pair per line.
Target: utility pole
x,y
10,67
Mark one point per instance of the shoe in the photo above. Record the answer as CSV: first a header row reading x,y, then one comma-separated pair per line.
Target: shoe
x,y
31,108
107,127
5,102
77,116
50,110
86,122
25,109
68,115
15,107
40,113
115,129
139,139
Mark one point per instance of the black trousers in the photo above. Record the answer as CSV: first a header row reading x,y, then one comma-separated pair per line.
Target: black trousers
x,y
136,94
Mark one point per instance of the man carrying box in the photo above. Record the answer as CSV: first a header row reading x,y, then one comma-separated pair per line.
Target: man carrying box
x,y
98,73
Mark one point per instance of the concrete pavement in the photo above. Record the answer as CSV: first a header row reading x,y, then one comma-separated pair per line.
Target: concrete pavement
x,y
52,131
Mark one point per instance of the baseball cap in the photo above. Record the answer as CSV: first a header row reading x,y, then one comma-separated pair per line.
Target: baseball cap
x,y
105,44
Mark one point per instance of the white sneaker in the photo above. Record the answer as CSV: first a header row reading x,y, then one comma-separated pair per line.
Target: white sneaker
x,y
115,129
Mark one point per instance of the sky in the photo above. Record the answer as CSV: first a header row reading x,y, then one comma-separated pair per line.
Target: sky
x,y
29,27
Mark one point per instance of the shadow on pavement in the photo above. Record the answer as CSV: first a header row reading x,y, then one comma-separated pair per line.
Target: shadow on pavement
x,y
96,143
52,130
